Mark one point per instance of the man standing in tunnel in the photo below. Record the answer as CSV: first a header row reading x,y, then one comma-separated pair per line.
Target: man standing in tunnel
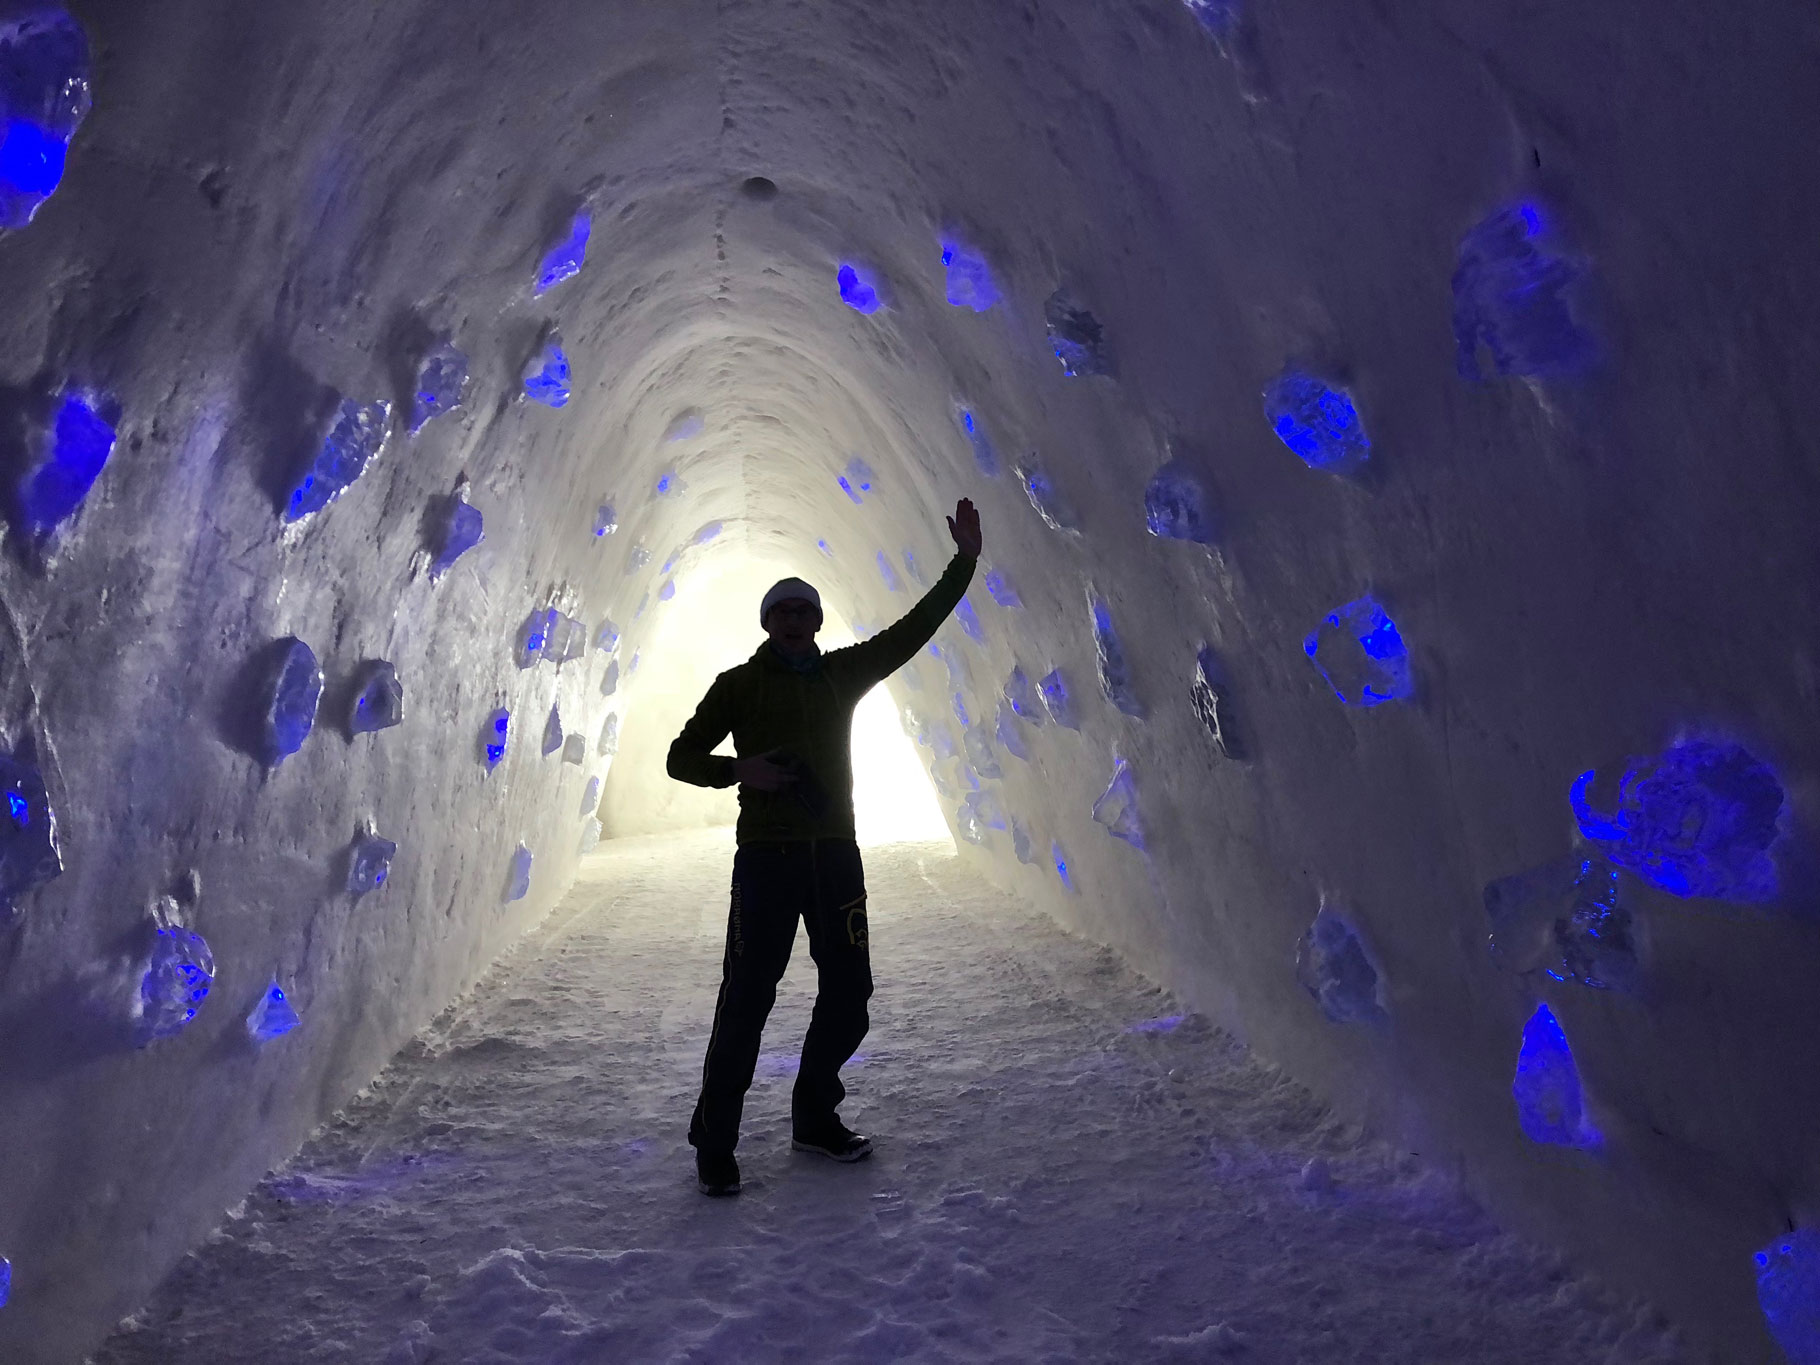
x,y
789,709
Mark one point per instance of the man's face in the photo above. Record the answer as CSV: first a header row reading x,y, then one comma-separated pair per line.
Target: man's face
x,y
792,624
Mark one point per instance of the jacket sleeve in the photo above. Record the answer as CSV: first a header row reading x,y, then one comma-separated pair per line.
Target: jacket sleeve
x,y
691,753
878,658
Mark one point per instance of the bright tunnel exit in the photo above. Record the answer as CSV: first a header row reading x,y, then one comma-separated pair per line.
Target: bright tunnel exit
x,y
709,625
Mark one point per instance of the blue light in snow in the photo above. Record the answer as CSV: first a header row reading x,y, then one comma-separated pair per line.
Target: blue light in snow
x,y
493,737
1550,1104
44,93
984,454
546,374
857,288
856,482
999,587
889,574
20,809
1059,857
970,621
70,458
1358,650
970,283
825,548
565,259
1696,821
1513,297
1317,422
273,1016
1788,1291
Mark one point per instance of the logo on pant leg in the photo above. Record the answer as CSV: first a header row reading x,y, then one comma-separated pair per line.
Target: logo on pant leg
x,y
736,929
856,922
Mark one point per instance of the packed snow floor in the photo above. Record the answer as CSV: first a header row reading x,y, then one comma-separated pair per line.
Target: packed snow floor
x,y
1066,1171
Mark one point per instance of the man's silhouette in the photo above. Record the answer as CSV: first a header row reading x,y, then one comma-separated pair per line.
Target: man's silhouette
x,y
789,709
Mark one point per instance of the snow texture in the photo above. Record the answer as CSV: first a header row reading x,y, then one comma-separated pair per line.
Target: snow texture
x,y
1068,1169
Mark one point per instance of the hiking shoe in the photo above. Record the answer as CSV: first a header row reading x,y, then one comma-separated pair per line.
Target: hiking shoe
x,y
716,1173
832,1139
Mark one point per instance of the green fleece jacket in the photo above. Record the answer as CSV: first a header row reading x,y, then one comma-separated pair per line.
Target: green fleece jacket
x,y
767,705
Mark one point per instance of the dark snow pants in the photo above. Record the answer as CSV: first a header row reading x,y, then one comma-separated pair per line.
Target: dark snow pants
x,y
821,881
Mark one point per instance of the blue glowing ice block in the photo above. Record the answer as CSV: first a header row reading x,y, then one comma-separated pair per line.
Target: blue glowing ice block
x,y
493,737
1547,1091
519,883
1514,297
1316,421
552,732
461,530
379,702
174,977
64,459
1001,590
546,374
564,260
1117,808
1176,507
1076,336
1358,650
858,288
985,455
370,862
44,96
1788,1292
29,852
273,1016
1114,669
856,480
442,382
1334,967
970,283
1055,510
292,694
356,435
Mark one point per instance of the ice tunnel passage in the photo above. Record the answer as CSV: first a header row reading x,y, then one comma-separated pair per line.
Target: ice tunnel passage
x,y
344,335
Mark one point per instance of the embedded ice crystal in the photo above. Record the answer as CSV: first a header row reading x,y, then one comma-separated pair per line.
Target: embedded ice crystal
x,y
1076,336
609,683
174,977
6,1280
970,282
606,639
493,737
1696,821
998,586
636,559
519,885
1175,507
291,697
273,1016
941,740
825,548
1319,423
985,456
669,483
986,806
442,382
370,862
709,531
960,710
534,636
1565,918
1514,296
1358,650
889,574
355,438
1117,808
1054,691
1050,505
685,426
1332,965
29,855
968,824
1550,1104
1788,1292
590,796
914,570
546,374
379,704
1212,702
1010,737
564,260
44,96
915,727
608,744
979,752
667,591
1059,856
63,460
575,749
461,530
1023,697
943,787
552,732
1020,844
606,521
858,288
970,621
590,834
856,480
1114,671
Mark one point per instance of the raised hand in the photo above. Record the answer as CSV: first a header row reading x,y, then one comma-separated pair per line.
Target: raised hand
x,y
964,526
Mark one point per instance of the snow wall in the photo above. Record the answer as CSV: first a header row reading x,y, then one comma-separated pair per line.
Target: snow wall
x,y
1596,556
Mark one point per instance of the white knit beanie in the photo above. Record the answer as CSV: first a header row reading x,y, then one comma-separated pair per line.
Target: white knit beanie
x,y
785,589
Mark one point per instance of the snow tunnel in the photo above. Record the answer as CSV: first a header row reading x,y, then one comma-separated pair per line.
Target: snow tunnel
x,y
1388,428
